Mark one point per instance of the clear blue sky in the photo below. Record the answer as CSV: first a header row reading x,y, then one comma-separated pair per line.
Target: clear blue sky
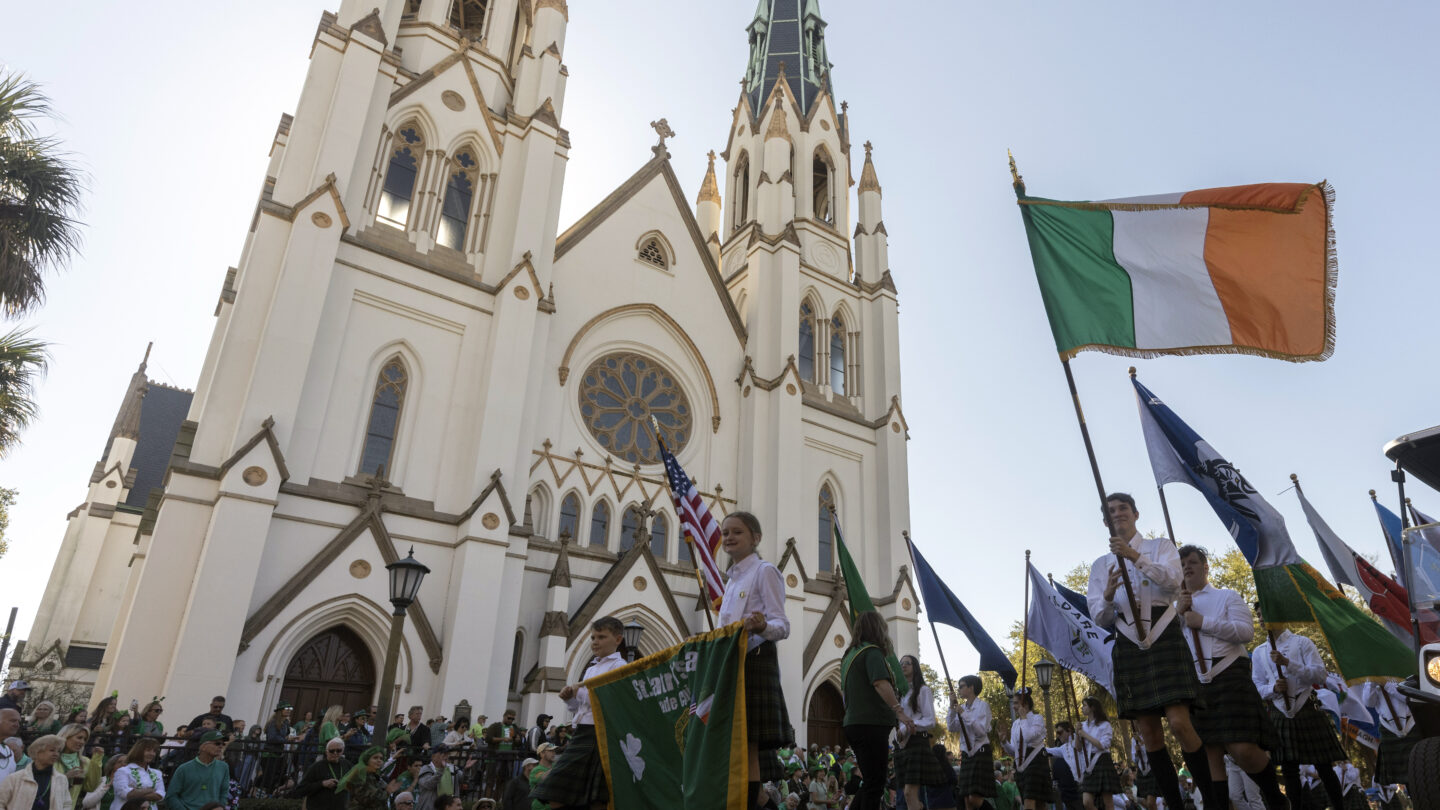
x,y
172,105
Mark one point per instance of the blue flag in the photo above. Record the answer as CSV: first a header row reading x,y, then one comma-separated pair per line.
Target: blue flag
x,y
1391,526
945,608
1422,579
1077,601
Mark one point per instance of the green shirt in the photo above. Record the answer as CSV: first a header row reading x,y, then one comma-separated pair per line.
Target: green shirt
x,y
536,774
1007,796
196,784
863,705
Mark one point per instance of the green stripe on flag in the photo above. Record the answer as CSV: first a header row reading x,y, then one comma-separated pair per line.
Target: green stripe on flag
x,y
1363,650
1087,294
859,599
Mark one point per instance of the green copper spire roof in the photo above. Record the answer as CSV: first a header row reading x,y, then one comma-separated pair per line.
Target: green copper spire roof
x,y
788,32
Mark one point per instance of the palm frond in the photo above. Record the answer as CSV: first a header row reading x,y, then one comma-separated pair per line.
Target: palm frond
x,y
23,361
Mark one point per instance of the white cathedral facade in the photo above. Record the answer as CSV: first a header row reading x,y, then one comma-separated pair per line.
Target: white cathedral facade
x,y
410,353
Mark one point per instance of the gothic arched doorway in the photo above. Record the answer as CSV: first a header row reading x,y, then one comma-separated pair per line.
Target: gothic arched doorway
x,y
333,667
826,712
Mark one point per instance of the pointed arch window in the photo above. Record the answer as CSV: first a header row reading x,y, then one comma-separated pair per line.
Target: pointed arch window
x,y
659,534
682,546
569,518
515,654
412,10
822,198
654,253
629,526
837,355
468,17
741,194
537,511
459,193
827,529
399,189
807,342
385,403
600,524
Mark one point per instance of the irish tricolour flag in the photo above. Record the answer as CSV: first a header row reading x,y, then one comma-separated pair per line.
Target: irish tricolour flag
x,y
1246,269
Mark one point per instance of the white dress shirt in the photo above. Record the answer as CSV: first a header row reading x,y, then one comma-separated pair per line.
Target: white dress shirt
x,y
1156,578
1140,755
1391,707
1089,753
1227,627
924,716
1348,775
755,585
130,777
579,702
1304,671
1067,753
1027,738
1309,777
974,718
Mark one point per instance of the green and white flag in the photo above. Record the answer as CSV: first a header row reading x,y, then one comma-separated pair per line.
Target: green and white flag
x,y
671,726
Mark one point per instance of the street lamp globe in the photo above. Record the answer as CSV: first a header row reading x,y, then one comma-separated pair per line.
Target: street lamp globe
x,y
633,631
1044,671
405,578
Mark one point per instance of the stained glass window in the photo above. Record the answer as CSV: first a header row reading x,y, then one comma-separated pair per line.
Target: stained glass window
x,y
619,395
629,525
459,191
837,355
569,518
385,402
659,534
600,524
827,529
399,187
807,343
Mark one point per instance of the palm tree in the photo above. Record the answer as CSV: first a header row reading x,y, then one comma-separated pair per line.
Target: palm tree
x,y
39,196
22,360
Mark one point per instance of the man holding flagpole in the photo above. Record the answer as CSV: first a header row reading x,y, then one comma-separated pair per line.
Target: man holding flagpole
x,y
1153,670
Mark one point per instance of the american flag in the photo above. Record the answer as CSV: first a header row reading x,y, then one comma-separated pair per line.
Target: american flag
x,y
697,522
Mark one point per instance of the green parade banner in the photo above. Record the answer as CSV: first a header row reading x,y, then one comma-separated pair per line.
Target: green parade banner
x,y
671,726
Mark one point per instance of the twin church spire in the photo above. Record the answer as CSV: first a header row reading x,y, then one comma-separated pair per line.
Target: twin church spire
x,y
787,36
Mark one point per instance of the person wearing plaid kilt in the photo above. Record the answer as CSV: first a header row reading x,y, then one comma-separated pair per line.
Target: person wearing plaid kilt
x,y
1304,734
1398,732
970,718
1145,790
1154,674
1353,796
1027,746
1234,720
915,764
755,595
578,776
1312,792
1092,739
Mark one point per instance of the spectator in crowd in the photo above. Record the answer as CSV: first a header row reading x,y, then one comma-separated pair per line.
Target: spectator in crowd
x,y
367,790
103,717
173,746
450,803
38,785
204,779
545,761
14,696
404,800
78,715
303,724
121,736
437,778
459,733
138,778
103,795
248,749
437,729
278,734
149,724
504,735
357,739
371,719
320,786
517,791
73,762
222,721
330,725
419,738
9,727
538,735
45,719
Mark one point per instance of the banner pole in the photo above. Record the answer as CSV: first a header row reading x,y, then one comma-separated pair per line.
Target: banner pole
x,y
1025,625
1170,532
944,667
694,560
1100,488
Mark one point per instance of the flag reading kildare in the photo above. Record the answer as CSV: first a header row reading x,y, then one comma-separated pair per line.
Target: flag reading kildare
x,y
1246,269
1290,591
1066,631
671,729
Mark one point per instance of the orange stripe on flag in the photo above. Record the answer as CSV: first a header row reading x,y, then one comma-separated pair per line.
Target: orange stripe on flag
x,y
1269,269
1274,196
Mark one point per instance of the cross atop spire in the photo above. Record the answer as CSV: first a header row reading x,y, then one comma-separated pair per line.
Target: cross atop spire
x,y
784,34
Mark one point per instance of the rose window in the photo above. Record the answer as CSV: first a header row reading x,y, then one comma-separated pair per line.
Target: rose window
x,y
619,395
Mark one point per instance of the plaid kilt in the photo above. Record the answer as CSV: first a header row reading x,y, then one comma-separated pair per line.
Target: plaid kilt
x,y
1146,681
577,777
1392,764
1103,779
767,718
1234,711
1312,798
977,774
771,768
1035,782
1147,785
1308,738
915,764
1355,800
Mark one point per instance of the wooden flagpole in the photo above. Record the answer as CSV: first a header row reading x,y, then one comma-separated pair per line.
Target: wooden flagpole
x,y
1025,626
944,667
694,559
1019,183
1184,589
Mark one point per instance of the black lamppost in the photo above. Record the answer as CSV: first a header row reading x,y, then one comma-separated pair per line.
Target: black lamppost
x,y
633,631
1044,671
405,578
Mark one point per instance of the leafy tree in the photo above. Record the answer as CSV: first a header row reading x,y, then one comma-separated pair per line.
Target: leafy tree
x,y
39,196
22,361
7,500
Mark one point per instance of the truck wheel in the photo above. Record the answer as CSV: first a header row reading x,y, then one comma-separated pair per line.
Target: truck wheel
x,y
1424,787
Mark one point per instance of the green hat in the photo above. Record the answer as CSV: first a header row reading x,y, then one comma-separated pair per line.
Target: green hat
x,y
397,734
212,736
359,713
283,705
